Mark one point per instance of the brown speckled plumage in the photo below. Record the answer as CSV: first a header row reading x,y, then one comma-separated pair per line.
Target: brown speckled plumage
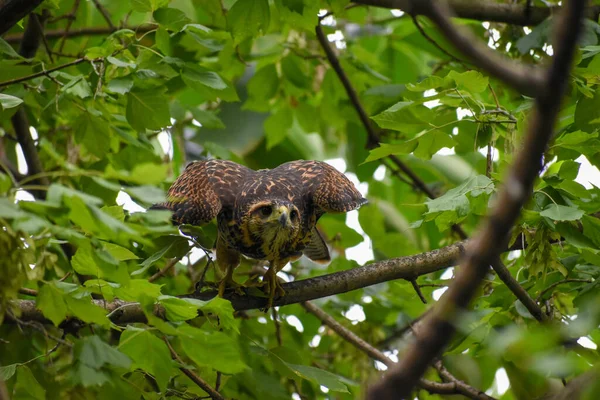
x,y
295,194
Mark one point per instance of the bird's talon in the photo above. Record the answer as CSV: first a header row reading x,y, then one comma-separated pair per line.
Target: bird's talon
x,y
226,284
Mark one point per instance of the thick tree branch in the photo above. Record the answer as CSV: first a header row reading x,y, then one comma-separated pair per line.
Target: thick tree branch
x,y
121,312
521,77
27,49
510,13
12,11
438,327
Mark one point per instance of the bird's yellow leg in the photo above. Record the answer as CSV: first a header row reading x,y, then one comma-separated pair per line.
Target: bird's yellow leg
x,y
228,282
228,259
272,285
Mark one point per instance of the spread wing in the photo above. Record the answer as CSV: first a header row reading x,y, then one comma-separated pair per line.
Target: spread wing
x,y
328,188
317,249
203,189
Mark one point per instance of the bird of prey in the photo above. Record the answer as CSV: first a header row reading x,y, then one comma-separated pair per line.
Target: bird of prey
x,y
266,215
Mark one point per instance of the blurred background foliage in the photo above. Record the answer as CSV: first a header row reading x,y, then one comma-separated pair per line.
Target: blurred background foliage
x,y
168,82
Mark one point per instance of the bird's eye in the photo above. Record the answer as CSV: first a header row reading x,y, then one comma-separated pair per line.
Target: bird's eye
x,y
266,210
294,215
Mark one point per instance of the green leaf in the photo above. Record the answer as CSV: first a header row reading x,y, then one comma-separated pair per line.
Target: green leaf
x,y
78,86
430,143
247,17
321,377
119,253
586,113
471,81
93,133
386,149
198,78
94,353
7,101
454,205
296,6
87,261
405,116
163,41
119,85
27,387
177,246
86,376
87,311
50,301
343,234
8,50
562,213
7,371
146,193
212,349
147,109
208,119
120,63
223,310
8,209
141,5
276,127
177,309
171,18
148,353
138,290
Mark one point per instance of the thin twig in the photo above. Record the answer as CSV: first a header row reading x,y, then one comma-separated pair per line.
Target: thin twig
x,y
438,328
105,14
218,381
45,72
170,264
417,288
71,18
192,375
39,21
489,160
555,284
91,31
28,292
277,326
38,327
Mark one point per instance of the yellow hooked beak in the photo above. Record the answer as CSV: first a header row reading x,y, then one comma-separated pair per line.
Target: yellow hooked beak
x,y
281,214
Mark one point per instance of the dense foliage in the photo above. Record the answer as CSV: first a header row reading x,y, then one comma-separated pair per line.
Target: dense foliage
x,y
153,84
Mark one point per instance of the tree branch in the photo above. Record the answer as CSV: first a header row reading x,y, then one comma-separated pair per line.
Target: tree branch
x,y
121,312
12,11
27,49
455,387
93,31
438,327
510,13
105,15
521,77
373,141
193,376
45,72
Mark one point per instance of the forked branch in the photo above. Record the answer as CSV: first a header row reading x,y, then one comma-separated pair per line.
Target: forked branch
x,y
484,248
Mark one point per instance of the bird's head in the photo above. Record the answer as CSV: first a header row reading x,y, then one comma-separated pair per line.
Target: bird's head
x,y
275,216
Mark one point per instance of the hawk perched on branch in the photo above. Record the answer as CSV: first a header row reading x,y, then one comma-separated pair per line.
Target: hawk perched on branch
x,y
266,215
